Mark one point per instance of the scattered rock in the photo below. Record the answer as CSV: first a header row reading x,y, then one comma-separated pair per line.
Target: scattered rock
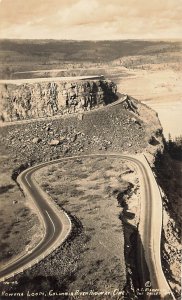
x,y
97,132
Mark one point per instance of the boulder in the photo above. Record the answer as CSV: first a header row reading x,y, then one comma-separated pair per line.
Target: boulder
x,y
153,141
73,138
54,142
36,140
62,139
80,117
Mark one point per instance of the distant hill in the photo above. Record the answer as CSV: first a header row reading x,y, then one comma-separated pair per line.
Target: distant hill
x,y
29,55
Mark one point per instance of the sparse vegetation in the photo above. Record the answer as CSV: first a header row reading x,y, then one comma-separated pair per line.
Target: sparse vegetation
x,y
98,211
174,147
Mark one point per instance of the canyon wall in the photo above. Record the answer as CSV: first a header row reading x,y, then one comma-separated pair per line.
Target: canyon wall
x,y
47,98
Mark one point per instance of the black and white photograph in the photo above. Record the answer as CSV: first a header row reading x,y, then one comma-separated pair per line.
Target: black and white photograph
x,y
91,149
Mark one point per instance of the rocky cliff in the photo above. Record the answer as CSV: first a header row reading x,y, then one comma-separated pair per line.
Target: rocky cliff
x,y
47,98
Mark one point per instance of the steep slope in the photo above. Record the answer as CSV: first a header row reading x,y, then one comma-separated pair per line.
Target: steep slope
x,y
112,128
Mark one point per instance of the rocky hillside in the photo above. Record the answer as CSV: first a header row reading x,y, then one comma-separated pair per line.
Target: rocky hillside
x,y
50,97
122,126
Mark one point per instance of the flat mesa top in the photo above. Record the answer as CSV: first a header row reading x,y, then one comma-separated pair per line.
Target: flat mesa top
x,y
37,80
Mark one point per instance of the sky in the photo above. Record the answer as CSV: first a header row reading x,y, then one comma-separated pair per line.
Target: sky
x,y
91,19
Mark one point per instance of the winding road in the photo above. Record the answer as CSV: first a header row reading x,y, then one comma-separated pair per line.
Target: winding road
x,y
57,226
56,223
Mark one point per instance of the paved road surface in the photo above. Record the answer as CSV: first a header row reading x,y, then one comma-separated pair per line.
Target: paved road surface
x,y
49,79
149,227
55,227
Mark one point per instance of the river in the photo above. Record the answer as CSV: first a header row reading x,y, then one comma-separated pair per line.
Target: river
x,y
170,116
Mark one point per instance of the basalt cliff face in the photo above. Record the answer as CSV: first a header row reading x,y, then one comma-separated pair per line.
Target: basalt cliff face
x,y
47,98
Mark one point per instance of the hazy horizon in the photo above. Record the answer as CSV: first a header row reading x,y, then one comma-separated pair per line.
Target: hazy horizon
x,y
92,40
